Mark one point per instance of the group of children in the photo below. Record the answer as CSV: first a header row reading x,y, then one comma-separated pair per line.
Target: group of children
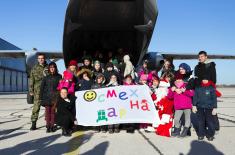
x,y
174,94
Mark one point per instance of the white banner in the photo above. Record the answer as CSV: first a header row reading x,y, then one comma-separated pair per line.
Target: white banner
x,y
115,105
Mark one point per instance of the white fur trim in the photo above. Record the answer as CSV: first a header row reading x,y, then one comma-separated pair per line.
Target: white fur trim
x,y
164,84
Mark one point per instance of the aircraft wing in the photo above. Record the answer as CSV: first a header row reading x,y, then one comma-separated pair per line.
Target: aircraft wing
x,y
180,56
53,54
12,54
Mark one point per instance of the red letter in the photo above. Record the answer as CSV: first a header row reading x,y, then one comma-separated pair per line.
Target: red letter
x,y
136,104
111,93
144,106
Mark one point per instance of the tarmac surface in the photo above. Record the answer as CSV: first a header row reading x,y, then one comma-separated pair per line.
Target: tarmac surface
x,y
16,138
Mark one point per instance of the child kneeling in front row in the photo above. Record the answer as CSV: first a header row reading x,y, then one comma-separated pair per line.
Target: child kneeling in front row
x,y
65,112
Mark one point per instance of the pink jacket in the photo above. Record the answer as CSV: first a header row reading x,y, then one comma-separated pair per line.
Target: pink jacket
x,y
181,101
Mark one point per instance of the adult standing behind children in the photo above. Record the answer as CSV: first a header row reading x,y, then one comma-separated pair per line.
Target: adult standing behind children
x,y
35,80
205,67
49,95
129,68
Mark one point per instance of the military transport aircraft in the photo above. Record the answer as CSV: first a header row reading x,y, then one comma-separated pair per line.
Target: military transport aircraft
x,y
107,25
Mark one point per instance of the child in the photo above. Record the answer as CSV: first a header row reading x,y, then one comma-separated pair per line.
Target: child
x,y
143,79
154,84
164,106
205,104
110,71
67,82
85,81
112,83
182,105
128,81
97,69
99,83
65,112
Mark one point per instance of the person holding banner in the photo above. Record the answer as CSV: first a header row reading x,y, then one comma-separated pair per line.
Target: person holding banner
x,y
128,81
113,81
65,112
99,83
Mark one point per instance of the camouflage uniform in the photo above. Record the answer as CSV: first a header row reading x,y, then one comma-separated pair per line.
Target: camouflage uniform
x,y
36,76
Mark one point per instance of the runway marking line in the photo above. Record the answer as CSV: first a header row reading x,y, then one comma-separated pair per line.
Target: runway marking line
x,y
75,143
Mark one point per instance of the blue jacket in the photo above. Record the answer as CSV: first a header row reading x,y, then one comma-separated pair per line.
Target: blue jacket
x,y
205,97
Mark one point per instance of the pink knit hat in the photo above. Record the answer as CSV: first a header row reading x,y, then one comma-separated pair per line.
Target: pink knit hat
x,y
144,77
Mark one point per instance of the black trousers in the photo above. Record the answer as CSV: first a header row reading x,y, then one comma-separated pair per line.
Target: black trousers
x,y
206,122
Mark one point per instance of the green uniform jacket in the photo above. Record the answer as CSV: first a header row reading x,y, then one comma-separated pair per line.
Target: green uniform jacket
x,y
36,76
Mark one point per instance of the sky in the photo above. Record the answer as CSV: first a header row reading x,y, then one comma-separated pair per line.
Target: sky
x,y
183,26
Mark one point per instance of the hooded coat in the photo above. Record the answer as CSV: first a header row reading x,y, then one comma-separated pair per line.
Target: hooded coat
x,y
129,68
108,74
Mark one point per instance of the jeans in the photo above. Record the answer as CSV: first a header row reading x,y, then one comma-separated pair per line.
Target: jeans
x,y
206,122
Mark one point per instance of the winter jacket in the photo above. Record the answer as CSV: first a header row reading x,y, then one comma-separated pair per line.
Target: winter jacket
x,y
65,111
97,86
48,92
181,101
205,70
70,85
95,72
85,85
205,97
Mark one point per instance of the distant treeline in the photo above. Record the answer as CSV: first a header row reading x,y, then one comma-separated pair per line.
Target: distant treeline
x,y
225,86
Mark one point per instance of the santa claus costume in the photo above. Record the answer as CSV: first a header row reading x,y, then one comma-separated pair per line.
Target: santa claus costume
x,y
165,109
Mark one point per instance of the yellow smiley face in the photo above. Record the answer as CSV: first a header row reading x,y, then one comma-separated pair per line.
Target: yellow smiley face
x,y
90,96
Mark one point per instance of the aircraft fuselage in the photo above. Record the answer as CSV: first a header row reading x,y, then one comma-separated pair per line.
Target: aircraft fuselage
x,y
108,25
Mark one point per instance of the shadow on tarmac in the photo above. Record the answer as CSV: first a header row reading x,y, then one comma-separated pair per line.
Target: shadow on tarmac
x,y
44,146
8,131
9,121
12,135
99,149
202,148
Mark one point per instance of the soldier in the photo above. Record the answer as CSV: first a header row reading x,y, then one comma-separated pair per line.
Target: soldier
x,y
36,76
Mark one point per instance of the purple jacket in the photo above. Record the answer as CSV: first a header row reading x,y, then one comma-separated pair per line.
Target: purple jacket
x,y
181,101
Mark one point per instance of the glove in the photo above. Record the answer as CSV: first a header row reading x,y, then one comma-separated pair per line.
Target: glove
x,y
214,112
194,109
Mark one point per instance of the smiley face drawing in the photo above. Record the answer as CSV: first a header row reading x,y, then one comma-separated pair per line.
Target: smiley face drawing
x,y
90,96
